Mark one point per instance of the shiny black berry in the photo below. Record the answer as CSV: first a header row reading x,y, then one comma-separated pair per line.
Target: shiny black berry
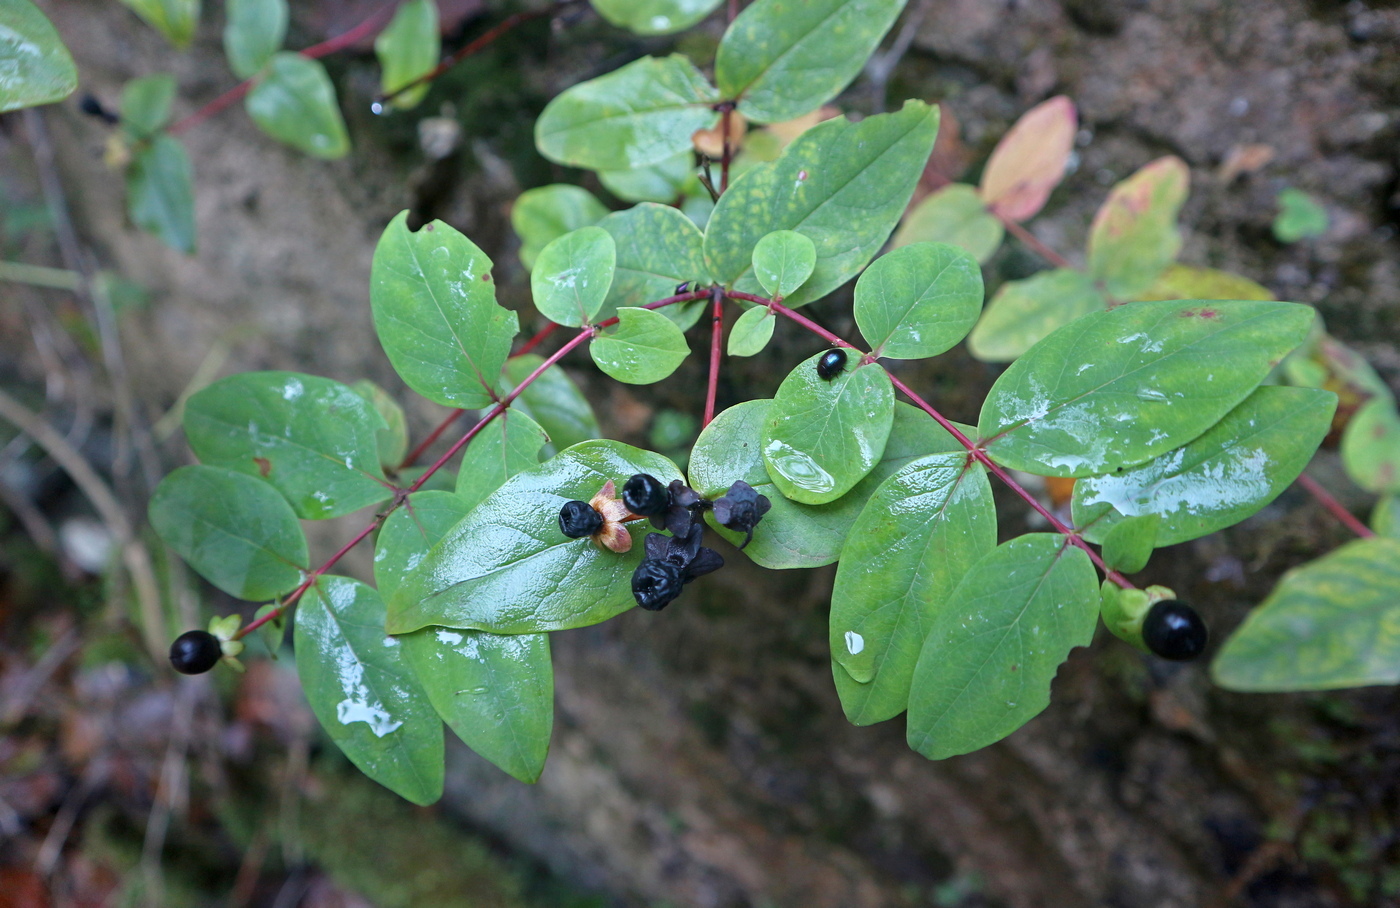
x,y
655,584
1173,630
645,495
578,519
832,364
195,652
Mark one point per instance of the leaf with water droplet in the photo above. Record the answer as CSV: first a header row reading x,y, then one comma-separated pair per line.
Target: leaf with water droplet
x,y
409,49
572,276
408,533
645,347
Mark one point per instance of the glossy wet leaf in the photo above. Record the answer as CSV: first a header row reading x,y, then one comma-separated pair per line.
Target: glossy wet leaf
x,y
995,646
1231,471
921,531
1299,217
235,531
751,332
312,438
408,533
782,261
35,66
408,49
294,102
544,214
364,693
954,214
508,569
663,182
511,443
436,315
1187,282
1030,159
160,192
175,19
654,17
1332,623
1134,236
658,249
253,31
822,437
553,401
638,115
1114,389
145,106
1022,312
919,300
1128,544
1371,446
781,59
392,440
645,347
572,276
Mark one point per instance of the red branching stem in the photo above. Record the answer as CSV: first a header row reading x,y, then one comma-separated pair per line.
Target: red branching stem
x,y
727,149
535,341
433,436
1033,242
1334,507
310,579
733,10
716,332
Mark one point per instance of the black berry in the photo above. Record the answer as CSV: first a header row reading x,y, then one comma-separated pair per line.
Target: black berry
x,y
741,508
655,584
684,552
195,652
578,519
645,495
1173,630
832,364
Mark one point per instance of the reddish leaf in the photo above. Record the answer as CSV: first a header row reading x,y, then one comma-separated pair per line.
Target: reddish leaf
x,y
1030,160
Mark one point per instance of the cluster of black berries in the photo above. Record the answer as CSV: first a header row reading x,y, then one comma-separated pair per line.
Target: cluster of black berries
x,y
1172,629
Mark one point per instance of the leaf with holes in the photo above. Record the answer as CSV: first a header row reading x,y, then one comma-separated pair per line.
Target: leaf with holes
x,y
919,300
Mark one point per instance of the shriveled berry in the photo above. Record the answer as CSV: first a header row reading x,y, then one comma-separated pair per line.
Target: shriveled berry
x,y
832,364
645,495
741,508
195,652
655,584
1173,630
685,552
578,519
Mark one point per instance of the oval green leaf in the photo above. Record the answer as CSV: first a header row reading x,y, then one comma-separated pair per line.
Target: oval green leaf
x,y
294,102
175,19
919,300
253,32
572,276
664,182
1371,446
145,105
511,443
752,331
544,214
1021,313
407,50
408,533
160,192
1128,544
35,66
954,214
553,401
654,17
658,248
782,262
1134,235
645,347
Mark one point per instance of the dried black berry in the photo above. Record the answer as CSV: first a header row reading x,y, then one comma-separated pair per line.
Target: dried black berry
x,y
680,516
655,584
741,508
578,519
195,652
645,495
1173,630
832,364
685,552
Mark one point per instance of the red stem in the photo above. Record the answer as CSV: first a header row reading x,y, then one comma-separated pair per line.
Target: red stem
x,y
535,341
1335,507
433,436
716,331
1030,239
310,579
726,150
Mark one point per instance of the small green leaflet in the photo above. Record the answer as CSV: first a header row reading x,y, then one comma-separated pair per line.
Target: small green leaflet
x,y
436,315
996,645
654,17
822,437
393,441
751,332
1218,479
544,214
1021,313
1128,544
408,534
1332,623
35,66
782,261
1117,388
1371,446
781,59
508,569
1134,235
918,301
954,214
645,347
572,275
175,19
363,692
921,531
658,248
408,49
511,443
235,531
145,106
553,401
635,116
294,102
1299,217
253,32
160,193
312,438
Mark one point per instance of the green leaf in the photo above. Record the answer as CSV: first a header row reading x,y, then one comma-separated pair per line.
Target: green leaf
x,y
1030,159
954,214
1299,217
842,185
1021,313
236,532
654,17
408,534
1371,446
175,19
508,569
752,332
1329,624
435,312
35,66
272,633
511,443
553,401
635,116
919,534
409,49
1238,466
544,214
794,535
253,32
392,441
1117,388
145,106
663,182
782,262
658,248
160,193
918,301
994,648
363,692
294,102
1134,235
822,437
780,59
495,691
1385,517
572,275
645,347
1128,543
314,439
1185,282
